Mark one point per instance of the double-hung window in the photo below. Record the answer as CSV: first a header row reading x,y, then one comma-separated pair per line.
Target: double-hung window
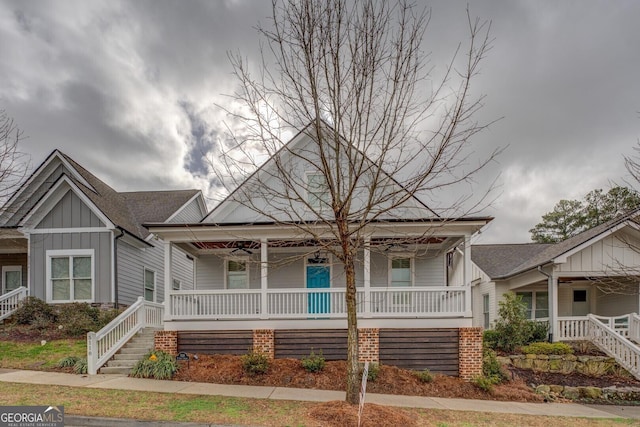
x,y
70,276
149,285
237,274
317,191
11,277
401,275
537,304
485,311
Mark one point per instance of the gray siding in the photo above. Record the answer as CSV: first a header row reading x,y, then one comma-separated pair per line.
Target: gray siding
x,y
99,242
190,213
70,212
13,260
428,270
181,269
131,264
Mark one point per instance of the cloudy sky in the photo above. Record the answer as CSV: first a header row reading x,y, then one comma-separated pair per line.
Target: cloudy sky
x,y
127,88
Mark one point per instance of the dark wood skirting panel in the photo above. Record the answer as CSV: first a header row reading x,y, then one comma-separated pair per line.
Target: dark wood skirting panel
x,y
299,343
215,342
433,349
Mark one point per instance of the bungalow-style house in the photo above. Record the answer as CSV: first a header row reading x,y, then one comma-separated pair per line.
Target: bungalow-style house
x,y
595,272
67,236
263,282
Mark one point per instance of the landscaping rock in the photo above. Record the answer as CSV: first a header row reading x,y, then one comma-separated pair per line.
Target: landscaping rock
x,y
591,392
572,393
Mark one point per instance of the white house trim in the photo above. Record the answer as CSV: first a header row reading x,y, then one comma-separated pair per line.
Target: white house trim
x,y
70,230
53,253
198,196
53,196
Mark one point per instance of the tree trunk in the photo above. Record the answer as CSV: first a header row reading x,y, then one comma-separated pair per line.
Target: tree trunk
x,y
353,367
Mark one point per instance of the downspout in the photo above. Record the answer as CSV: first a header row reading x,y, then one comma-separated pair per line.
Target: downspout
x,y
552,317
115,267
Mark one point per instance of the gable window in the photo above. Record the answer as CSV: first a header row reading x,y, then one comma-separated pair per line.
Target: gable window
x,y
11,278
70,276
149,285
485,311
237,274
317,191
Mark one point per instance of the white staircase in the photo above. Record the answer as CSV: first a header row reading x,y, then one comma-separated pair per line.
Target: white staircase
x,y
130,353
10,302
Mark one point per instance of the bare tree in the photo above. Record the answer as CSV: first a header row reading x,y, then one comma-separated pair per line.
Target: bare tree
x,y
13,163
352,76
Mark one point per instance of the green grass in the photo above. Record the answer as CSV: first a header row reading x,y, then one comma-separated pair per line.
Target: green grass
x,y
198,407
37,356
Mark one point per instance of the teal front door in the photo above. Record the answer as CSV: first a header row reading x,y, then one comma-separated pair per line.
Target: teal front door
x,y
318,277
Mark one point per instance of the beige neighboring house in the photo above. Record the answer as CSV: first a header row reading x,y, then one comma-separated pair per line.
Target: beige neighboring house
x,y
595,272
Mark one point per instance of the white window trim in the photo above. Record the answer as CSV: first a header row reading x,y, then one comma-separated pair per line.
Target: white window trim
x,y
61,253
155,283
534,307
329,264
244,259
412,264
8,268
486,311
323,206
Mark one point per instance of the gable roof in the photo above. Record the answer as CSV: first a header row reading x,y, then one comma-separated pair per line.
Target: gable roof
x,y
502,261
128,210
220,213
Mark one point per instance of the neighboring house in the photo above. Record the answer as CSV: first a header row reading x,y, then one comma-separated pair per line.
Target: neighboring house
x,y
69,237
595,272
262,282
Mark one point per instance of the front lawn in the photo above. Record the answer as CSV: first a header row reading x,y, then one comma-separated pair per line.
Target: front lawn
x,y
40,356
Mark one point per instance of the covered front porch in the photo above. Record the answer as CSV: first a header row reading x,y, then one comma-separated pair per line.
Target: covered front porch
x,y
245,279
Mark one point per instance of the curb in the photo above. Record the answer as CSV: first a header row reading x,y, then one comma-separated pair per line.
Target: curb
x,y
82,421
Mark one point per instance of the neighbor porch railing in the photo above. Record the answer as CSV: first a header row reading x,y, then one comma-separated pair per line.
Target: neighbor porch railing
x,y
102,345
10,301
329,303
608,334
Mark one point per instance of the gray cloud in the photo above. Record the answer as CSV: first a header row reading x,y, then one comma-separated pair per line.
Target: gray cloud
x,y
128,89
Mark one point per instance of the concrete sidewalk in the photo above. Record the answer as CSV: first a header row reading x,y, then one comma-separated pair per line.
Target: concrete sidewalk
x,y
121,382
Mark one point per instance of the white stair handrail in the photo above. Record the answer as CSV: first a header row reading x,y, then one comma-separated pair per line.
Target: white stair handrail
x,y
102,345
10,301
615,345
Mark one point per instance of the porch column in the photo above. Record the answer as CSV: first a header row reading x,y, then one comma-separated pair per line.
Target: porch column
x,y
264,278
367,277
466,275
167,280
553,307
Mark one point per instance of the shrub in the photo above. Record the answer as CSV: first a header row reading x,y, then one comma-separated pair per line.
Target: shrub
x,y
485,383
80,367
155,364
558,348
255,362
490,338
313,363
373,372
491,367
425,376
68,362
512,328
34,311
78,318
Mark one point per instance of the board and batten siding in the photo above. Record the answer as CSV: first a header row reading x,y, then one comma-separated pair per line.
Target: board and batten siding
x,y
605,255
131,264
190,213
70,212
100,242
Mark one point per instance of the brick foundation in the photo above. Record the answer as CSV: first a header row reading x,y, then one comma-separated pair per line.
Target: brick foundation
x,y
470,347
166,341
264,342
369,345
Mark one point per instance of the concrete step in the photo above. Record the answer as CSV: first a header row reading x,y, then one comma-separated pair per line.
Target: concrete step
x,y
129,350
115,370
129,356
117,363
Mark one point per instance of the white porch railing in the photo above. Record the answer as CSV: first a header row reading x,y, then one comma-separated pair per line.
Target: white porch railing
x,y
102,345
325,303
615,345
608,333
10,301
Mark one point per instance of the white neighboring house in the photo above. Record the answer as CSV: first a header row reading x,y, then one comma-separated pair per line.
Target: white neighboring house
x,y
266,283
596,272
68,237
